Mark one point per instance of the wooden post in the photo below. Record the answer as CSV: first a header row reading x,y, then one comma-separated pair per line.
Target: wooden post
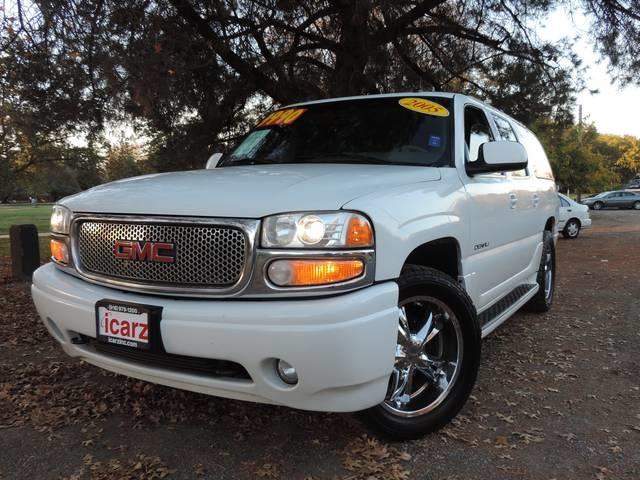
x,y
25,251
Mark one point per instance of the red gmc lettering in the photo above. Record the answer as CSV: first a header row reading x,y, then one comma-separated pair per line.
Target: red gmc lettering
x,y
142,252
145,251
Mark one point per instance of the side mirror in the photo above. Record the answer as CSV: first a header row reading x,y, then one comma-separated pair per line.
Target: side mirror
x,y
498,156
213,161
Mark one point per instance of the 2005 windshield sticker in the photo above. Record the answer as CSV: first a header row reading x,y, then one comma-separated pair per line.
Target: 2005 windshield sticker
x,y
422,105
282,117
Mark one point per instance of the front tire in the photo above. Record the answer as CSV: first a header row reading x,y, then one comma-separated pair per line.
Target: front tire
x,y
571,229
437,356
546,278
598,206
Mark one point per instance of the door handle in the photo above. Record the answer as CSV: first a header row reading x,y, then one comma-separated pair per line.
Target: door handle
x,y
569,210
513,200
536,200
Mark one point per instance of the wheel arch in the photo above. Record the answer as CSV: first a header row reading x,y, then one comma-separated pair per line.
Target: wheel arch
x,y
550,225
442,254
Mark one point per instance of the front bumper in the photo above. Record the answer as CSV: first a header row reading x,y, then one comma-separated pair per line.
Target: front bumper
x,y
343,347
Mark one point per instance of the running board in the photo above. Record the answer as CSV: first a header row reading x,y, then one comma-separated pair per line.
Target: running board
x,y
497,313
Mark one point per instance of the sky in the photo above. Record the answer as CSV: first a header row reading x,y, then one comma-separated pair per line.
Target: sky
x,y
613,109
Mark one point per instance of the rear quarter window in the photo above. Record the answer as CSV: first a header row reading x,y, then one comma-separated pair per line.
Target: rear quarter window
x,y
506,132
538,161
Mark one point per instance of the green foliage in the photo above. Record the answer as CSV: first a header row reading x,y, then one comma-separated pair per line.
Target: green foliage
x,y
616,30
622,154
195,73
585,161
192,75
40,108
124,161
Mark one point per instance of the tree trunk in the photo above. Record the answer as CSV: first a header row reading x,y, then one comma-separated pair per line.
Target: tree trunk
x,y
352,55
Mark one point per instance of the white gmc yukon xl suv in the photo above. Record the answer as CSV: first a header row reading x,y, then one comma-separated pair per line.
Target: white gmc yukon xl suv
x,y
347,255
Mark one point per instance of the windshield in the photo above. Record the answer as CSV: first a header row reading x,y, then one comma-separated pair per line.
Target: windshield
x,y
398,130
603,194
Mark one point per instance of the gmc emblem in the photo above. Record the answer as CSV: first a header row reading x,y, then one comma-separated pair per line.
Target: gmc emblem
x,y
145,251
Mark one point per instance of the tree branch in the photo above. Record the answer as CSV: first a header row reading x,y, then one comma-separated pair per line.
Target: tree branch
x,y
263,82
395,27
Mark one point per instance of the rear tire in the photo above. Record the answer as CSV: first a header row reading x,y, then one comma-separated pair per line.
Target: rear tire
x,y
636,205
546,279
572,229
438,328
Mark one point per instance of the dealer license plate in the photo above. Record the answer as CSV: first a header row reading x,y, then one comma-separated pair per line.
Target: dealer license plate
x,y
125,324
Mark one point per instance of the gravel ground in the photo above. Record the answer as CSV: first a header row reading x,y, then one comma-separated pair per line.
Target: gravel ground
x,y
558,397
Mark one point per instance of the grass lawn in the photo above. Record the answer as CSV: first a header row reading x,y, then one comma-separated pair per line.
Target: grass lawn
x,y
45,253
15,215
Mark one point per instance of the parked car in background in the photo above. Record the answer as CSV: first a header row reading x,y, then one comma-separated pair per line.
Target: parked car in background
x,y
573,217
633,184
616,199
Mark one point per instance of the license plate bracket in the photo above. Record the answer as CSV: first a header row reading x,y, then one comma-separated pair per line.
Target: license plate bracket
x,y
131,325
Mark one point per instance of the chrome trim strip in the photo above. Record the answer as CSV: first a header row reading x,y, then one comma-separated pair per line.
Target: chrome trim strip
x,y
250,228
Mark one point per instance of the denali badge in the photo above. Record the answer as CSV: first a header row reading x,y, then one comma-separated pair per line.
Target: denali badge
x,y
145,251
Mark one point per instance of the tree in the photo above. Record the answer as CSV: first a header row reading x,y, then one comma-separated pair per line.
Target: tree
x,y
195,73
198,72
622,154
576,158
40,108
123,161
616,30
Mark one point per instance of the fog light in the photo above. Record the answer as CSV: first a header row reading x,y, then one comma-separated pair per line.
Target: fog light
x,y
300,273
287,373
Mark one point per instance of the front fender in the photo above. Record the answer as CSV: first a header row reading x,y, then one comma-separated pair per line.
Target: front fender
x,y
409,216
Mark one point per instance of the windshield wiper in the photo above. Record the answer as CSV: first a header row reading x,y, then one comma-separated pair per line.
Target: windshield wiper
x,y
247,161
362,158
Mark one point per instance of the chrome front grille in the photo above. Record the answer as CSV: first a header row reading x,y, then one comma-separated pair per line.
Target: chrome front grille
x,y
211,256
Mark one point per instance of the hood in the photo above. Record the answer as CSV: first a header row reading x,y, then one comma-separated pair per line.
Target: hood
x,y
246,191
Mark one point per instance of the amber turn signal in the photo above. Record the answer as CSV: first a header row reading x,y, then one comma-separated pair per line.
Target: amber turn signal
x,y
301,273
59,251
359,232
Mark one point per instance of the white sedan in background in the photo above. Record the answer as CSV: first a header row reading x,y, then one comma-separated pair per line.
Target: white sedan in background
x,y
573,217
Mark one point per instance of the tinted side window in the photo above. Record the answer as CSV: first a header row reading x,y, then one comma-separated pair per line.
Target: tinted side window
x,y
476,131
538,161
505,131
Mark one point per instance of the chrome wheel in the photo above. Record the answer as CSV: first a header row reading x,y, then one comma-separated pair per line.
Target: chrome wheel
x,y
573,229
597,206
548,276
428,357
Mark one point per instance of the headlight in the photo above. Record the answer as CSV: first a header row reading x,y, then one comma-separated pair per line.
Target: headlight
x,y
317,230
60,220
